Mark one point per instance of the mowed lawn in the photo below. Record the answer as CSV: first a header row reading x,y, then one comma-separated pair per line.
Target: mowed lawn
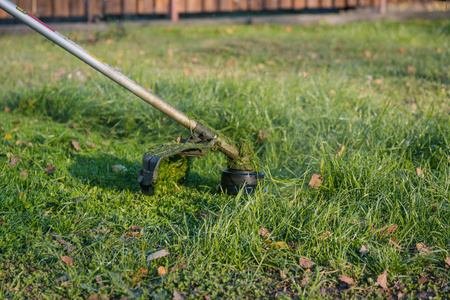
x,y
361,108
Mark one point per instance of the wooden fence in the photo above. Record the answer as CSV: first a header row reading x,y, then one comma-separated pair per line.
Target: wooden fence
x,y
59,9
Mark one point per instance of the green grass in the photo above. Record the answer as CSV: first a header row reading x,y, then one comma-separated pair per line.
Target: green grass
x,y
389,109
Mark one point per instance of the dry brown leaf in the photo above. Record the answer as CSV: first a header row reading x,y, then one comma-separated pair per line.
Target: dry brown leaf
x,y
135,227
67,260
364,249
306,263
177,296
2,221
382,279
332,92
288,29
423,279
135,234
92,145
177,267
94,297
186,71
98,279
7,109
230,63
13,162
16,122
264,232
50,169
378,81
162,271
422,248
341,151
347,280
76,145
447,261
305,74
316,181
420,173
314,55
388,230
157,254
401,49
195,59
9,154
142,271
367,53
411,69
305,281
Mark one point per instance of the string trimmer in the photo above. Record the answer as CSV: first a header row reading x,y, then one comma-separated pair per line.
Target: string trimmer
x,y
243,167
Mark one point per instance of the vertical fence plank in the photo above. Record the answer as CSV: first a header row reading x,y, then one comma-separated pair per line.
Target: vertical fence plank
x,y
327,4
161,6
312,4
339,3
44,9
130,7
352,3
181,6
77,8
225,5
95,7
271,4
145,7
241,5
193,6
286,4
299,4
256,5
113,7
61,8
210,5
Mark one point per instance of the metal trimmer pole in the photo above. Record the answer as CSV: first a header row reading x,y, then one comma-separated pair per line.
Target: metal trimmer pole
x,y
68,45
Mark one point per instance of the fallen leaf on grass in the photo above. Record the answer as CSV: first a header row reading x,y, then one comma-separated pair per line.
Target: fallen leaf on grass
x,y
382,280
420,173
278,245
142,271
288,29
341,151
364,249
422,248
411,69
177,267
347,280
230,63
306,263
425,295
378,81
50,169
177,296
134,234
135,227
104,144
305,74
305,281
7,109
9,154
94,297
16,122
186,71
394,243
447,260
98,279
158,254
92,145
401,49
13,162
316,181
162,271
76,145
367,53
422,279
2,221
389,230
264,232
7,137
67,260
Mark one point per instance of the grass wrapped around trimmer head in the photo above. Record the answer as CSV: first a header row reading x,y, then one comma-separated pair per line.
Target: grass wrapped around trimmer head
x,y
172,172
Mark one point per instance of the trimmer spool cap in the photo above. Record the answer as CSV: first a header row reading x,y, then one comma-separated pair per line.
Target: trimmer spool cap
x,y
234,180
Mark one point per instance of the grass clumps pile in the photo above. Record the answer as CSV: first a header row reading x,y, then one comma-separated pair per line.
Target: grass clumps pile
x,y
248,160
172,172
